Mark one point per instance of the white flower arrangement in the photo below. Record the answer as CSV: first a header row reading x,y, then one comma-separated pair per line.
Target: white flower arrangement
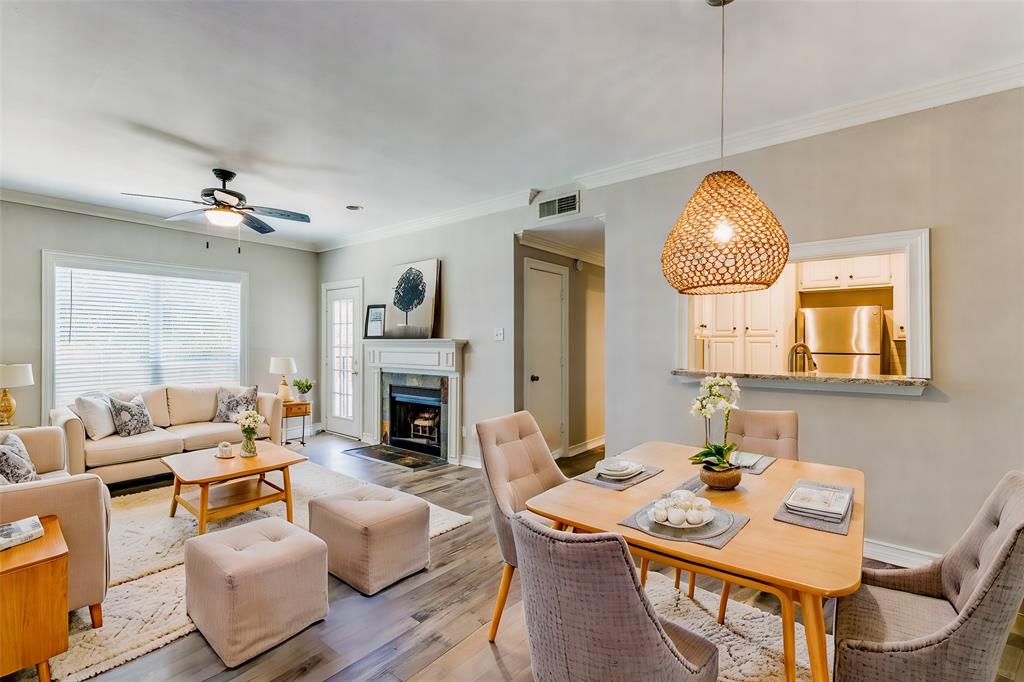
x,y
250,420
717,394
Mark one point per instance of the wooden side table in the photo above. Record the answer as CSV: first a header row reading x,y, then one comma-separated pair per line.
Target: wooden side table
x,y
296,408
34,601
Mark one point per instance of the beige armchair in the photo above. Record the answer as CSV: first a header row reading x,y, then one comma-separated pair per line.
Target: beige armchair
x,y
80,502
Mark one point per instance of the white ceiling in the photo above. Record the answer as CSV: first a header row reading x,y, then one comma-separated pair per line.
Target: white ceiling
x,y
417,108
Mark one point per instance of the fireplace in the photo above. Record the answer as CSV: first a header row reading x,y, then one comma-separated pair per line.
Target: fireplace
x,y
414,412
415,419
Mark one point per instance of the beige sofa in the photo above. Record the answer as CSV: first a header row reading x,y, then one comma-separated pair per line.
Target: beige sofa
x,y
80,502
183,420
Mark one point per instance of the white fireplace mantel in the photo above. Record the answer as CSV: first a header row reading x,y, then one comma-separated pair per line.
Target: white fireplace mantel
x,y
441,357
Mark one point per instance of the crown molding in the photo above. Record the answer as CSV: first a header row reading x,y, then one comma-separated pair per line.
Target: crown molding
x,y
536,241
518,199
83,208
824,121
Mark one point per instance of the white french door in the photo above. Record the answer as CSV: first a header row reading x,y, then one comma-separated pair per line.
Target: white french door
x,y
341,383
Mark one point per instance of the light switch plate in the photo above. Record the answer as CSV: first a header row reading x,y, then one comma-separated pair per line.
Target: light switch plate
x,y
499,333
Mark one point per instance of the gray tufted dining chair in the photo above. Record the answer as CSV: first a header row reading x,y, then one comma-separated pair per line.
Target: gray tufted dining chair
x,y
762,432
517,465
945,621
588,618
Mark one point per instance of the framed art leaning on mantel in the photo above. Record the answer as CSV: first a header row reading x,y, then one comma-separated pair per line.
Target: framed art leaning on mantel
x,y
410,313
374,328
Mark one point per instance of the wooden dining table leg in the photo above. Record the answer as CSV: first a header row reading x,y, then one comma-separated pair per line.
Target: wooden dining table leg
x,y
692,586
645,564
679,574
723,602
287,493
558,525
174,495
788,635
814,624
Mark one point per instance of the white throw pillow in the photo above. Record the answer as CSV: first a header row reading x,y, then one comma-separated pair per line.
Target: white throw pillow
x,y
94,411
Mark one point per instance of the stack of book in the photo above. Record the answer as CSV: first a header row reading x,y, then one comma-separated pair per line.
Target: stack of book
x,y
19,532
826,504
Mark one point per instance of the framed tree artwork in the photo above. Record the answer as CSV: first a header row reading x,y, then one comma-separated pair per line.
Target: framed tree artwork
x,y
410,313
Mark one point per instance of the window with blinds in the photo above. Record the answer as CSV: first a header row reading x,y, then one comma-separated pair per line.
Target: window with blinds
x,y
130,329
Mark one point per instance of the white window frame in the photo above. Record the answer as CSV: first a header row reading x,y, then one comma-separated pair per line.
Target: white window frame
x,y
913,244
54,259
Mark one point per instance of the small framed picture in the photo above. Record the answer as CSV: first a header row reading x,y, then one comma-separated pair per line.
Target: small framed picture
x,y
374,321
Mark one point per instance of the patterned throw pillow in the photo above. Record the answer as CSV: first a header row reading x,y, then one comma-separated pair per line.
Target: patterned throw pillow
x,y
15,464
230,405
130,418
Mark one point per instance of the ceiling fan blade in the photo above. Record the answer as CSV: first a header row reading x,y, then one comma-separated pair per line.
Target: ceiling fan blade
x,y
278,213
188,214
255,223
154,196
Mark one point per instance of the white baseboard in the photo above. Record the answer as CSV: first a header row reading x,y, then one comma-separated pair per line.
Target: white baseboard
x,y
295,432
580,448
906,557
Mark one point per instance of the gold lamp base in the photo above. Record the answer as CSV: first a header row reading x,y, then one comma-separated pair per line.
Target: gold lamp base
x,y
8,405
284,392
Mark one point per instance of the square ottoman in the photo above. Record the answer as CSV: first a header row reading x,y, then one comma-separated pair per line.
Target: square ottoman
x,y
375,536
251,587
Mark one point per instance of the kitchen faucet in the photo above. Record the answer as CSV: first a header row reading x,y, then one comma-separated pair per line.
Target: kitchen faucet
x,y
798,349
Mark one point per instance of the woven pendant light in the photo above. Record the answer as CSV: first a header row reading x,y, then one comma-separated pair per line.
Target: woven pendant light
x,y
726,239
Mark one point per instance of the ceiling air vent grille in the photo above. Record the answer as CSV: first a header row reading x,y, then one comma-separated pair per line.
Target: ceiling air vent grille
x,y
568,203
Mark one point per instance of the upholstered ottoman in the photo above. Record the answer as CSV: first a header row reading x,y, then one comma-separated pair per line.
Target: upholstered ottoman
x,y
375,536
253,586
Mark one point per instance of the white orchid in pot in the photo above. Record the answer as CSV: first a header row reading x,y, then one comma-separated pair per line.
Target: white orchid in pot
x,y
717,394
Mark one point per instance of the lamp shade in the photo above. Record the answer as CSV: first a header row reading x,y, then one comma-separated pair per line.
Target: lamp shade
x,y
13,376
283,366
725,241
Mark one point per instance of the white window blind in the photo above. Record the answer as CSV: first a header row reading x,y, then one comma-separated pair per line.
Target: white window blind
x,y
128,328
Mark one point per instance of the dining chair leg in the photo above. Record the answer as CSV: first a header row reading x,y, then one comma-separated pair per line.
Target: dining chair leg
x,y
814,624
788,636
645,564
692,586
499,605
679,573
723,602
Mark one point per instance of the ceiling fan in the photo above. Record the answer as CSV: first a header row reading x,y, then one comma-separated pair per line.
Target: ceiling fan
x,y
227,208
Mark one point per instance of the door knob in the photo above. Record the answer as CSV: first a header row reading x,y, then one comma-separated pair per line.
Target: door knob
x,y
534,377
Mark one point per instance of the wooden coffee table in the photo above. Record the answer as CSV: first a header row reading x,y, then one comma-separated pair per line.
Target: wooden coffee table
x,y
231,486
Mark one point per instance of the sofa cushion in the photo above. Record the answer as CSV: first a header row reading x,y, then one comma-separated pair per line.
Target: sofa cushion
x,y
94,411
878,614
191,403
60,473
15,464
155,399
231,403
131,416
203,435
118,449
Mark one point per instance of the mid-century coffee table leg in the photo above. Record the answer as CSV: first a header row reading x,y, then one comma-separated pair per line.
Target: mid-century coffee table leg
x,y
204,502
174,495
287,493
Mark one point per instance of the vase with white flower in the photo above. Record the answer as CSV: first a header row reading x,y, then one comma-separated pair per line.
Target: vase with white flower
x,y
249,422
717,394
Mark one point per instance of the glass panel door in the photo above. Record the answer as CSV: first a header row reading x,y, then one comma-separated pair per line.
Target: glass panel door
x,y
343,389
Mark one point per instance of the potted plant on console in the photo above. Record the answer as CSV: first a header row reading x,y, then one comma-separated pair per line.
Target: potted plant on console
x,y
304,387
717,394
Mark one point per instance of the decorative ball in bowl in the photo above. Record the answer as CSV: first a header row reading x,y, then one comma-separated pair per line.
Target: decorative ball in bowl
x,y
681,509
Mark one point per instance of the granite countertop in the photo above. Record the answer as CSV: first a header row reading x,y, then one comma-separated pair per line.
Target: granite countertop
x,y
814,377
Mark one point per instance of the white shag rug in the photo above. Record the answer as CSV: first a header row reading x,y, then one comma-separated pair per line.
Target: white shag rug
x,y
749,643
145,606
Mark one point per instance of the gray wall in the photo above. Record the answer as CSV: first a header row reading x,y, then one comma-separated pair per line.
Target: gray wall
x,y
475,297
282,286
586,343
929,461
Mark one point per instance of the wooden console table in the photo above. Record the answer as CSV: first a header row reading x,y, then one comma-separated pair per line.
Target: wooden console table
x,y
296,408
34,607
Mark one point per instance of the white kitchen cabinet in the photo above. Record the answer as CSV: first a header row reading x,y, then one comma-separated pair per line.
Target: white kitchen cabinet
x,y
726,314
759,351
760,312
899,296
820,274
724,354
867,271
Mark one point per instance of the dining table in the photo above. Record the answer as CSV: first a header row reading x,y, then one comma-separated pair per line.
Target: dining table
x,y
797,564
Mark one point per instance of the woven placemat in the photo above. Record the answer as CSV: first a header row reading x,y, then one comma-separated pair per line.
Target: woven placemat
x,y
842,528
594,478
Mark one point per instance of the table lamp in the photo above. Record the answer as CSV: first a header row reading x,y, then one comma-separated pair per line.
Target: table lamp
x,y
283,366
12,376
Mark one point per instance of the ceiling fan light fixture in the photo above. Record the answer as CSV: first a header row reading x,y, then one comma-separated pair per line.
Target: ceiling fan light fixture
x,y
222,217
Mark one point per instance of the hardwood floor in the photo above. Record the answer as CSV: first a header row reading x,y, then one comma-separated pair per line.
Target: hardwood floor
x,y
430,626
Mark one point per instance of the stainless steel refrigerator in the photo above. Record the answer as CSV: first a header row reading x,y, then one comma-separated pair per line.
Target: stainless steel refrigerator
x,y
843,340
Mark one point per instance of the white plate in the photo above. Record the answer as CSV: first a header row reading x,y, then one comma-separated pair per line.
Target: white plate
x,y
634,469
709,516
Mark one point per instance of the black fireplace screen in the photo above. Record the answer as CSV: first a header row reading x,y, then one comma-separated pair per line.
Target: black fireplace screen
x,y
415,419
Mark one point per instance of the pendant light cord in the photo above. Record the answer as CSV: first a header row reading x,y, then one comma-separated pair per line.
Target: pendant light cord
x,y
721,102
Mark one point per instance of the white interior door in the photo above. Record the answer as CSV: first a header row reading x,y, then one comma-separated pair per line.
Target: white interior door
x,y
545,347
342,384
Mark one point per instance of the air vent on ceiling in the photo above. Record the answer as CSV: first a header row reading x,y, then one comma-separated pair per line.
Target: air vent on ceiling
x,y
563,205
